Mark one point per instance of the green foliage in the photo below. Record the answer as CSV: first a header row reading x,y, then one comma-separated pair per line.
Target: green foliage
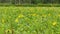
x,y
30,1
29,20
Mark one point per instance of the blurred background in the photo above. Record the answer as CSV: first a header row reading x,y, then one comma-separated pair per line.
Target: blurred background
x,y
28,2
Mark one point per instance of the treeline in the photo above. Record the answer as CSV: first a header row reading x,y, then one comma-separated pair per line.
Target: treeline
x,y
30,1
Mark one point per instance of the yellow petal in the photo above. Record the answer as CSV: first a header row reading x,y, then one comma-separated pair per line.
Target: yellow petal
x,y
20,16
54,23
16,20
3,20
49,14
59,15
44,15
33,14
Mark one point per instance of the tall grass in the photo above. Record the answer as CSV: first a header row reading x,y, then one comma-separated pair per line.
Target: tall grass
x,y
29,20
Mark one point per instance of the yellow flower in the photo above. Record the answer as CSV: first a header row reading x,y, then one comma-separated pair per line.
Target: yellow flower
x,y
10,31
54,23
44,15
49,14
3,20
59,15
16,20
33,14
19,16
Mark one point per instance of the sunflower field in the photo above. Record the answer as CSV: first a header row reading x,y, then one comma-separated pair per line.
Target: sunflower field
x,y
29,20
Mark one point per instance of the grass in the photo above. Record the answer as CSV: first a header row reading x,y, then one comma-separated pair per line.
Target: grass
x,y
29,20
31,5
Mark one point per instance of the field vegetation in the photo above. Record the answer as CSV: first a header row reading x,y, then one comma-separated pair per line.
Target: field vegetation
x,y
29,20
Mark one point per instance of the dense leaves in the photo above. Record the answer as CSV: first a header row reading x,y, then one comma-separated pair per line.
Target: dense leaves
x,y
29,20
30,1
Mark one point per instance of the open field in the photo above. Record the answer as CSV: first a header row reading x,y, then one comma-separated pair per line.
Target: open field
x,y
29,20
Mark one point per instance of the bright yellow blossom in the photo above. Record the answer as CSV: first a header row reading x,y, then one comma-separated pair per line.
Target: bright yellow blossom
x,y
59,15
43,15
49,14
54,23
19,16
16,20
3,20
33,14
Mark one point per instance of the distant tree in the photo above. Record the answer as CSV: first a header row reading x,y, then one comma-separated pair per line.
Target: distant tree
x,y
31,1
2,1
